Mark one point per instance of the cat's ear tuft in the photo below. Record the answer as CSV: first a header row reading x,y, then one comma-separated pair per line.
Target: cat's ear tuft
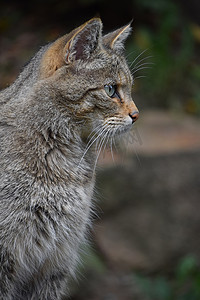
x,y
84,41
116,39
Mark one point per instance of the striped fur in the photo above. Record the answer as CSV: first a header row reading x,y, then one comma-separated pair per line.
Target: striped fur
x,y
46,167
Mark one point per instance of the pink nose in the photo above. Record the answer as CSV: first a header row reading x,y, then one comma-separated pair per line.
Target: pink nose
x,y
134,116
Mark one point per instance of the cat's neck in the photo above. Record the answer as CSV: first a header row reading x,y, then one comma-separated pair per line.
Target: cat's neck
x,y
58,151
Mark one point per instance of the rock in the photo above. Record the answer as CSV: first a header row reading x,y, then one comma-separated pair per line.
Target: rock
x,y
151,211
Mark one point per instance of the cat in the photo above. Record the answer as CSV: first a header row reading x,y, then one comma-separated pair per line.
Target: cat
x,y
79,83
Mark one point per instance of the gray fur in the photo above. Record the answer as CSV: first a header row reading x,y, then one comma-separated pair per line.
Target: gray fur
x,y
46,174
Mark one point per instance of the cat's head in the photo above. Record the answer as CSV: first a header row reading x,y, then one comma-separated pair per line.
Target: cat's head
x,y
91,77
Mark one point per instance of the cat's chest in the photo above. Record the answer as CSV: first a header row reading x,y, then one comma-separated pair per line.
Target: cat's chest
x,y
66,186
73,206
76,199
66,199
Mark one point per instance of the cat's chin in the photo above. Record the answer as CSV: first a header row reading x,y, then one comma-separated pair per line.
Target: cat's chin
x,y
123,129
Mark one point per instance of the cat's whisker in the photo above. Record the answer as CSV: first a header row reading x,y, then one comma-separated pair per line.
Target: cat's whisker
x,y
95,131
139,69
106,126
95,135
137,156
141,60
108,137
111,148
114,138
90,143
129,54
101,140
140,65
100,148
138,57
98,142
127,135
138,77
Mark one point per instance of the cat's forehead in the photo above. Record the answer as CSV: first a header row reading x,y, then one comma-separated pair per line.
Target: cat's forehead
x,y
107,65
119,67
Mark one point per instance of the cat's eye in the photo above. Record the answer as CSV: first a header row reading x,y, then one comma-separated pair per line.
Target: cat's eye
x,y
111,90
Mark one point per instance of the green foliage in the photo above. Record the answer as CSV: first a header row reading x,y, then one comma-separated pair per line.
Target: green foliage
x,y
156,289
184,285
173,80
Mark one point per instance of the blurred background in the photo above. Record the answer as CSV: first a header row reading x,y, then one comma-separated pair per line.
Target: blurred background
x,y
145,244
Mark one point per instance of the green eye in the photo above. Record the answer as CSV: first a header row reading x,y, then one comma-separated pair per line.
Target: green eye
x,y
110,90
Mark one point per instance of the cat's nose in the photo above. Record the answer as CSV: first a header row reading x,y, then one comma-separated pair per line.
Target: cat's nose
x,y
134,116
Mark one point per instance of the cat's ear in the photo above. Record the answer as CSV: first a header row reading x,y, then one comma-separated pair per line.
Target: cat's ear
x,y
84,41
78,44
116,39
